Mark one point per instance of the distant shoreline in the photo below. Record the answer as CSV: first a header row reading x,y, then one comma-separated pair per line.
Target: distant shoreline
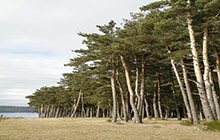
x,y
16,109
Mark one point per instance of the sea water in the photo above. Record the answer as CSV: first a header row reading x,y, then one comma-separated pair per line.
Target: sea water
x,y
21,114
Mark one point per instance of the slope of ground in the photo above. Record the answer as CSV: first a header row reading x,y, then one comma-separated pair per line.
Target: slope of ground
x,y
99,129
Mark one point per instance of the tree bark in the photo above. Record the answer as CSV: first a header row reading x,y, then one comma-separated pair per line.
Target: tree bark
x,y
114,112
204,101
215,97
128,80
77,104
217,59
154,102
147,108
181,89
42,110
91,112
98,110
83,113
128,106
57,112
142,88
158,97
189,93
122,97
136,84
207,72
178,113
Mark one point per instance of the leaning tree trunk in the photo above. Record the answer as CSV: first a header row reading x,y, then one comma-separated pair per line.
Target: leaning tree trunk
x,y
206,75
128,80
114,112
189,93
204,101
57,112
122,97
217,59
181,89
77,104
215,97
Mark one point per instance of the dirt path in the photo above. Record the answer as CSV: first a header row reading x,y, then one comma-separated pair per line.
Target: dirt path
x,y
99,129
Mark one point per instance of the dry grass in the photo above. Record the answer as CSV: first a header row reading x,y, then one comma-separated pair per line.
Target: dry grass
x,y
99,129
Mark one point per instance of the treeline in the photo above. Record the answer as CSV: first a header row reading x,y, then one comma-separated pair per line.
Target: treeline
x,y
163,62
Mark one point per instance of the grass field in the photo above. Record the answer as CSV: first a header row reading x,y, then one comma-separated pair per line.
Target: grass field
x,y
100,129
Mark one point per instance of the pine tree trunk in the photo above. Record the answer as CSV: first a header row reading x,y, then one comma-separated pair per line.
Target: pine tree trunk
x,y
204,101
42,110
189,93
136,84
77,104
128,106
118,112
147,108
215,97
51,111
158,97
181,89
128,80
178,113
206,75
166,113
83,114
200,113
154,102
57,112
91,114
122,97
87,112
114,112
217,59
39,112
98,110
103,113
142,88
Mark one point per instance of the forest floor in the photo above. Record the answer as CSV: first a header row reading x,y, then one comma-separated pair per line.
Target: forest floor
x,y
100,129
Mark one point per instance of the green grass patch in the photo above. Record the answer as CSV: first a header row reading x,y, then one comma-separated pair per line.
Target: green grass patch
x,y
164,119
186,123
212,125
109,120
157,126
3,118
119,123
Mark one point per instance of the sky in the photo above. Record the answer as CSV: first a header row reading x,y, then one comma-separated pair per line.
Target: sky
x,y
37,36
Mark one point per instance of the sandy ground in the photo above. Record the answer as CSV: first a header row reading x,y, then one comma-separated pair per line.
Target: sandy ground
x,y
100,129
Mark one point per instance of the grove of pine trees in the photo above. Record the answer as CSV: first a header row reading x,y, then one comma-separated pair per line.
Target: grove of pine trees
x,y
163,62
